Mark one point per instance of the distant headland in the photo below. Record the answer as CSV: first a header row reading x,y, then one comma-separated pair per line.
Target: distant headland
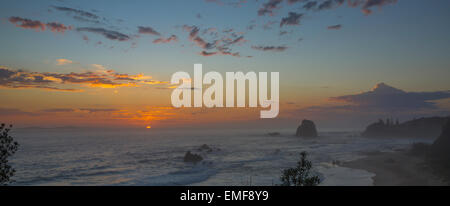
x,y
423,127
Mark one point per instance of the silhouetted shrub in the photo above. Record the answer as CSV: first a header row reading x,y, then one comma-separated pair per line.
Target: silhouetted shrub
x,y
7,148
300,175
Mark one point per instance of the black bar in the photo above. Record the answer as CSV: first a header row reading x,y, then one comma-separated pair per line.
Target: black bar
x,y
229,195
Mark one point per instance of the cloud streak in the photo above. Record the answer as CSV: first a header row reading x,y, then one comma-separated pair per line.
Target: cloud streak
x,y
269,7
148,30
368,4
109,34
270,48
78,12
292,19
335,27
19,79
27,23
58,27
172,38
79,15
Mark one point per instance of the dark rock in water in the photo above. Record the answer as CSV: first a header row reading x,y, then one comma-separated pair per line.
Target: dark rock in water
x,y
439,151
273,134
206,148
190,157
423,127
307,129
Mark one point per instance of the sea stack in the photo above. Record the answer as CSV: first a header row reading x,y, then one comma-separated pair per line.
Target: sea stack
x,y
307,129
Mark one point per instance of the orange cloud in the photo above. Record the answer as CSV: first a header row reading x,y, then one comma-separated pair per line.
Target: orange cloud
x,y
55,81
38,25
27,23
61,62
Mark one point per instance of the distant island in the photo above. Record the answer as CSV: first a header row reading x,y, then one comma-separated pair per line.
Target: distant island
x,y
423,127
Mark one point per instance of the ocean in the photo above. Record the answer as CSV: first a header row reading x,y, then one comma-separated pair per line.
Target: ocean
x,y
74,156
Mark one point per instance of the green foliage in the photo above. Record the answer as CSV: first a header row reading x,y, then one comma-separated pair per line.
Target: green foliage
x,y
7,148
300,175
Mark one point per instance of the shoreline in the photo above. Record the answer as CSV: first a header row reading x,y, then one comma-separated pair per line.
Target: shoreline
x,y
398,168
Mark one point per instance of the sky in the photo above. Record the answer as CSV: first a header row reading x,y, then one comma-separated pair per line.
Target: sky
x,y
342,63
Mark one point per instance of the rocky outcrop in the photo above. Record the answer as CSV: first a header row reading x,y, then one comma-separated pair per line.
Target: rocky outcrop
x,y
205,148
273,134
193,158
423,127
307,129
439,152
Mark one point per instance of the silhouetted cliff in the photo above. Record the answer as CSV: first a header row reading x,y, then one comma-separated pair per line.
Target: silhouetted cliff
x,y
439,152
423,127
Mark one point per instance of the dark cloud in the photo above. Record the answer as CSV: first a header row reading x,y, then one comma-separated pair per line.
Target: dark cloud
x,y
270,48
335,27
109,34
13,112
90,110
148,30
94,110
218,45
268,7
328,4
172,38
205,53
57,110
238,40
58,27
49,88
235,54
310,5
296,1
86,20
77,12
27,23
386,98
292,19
199,41
368,4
